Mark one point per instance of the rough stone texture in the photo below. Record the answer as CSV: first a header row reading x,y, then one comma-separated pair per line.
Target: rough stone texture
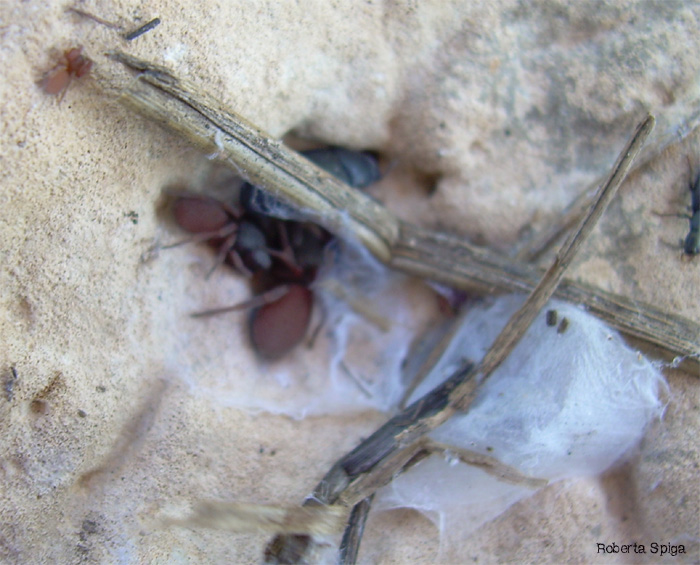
x,y
493,116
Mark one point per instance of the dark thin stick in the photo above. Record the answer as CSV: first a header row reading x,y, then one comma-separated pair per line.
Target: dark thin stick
x,y
145,28
352,536
433,357
355,379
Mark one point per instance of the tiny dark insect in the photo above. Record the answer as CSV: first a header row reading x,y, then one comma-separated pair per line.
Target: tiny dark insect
x,y
551,318
691,245
281,257
73,64
563,325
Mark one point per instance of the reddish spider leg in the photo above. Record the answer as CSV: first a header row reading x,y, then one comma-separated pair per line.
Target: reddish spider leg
x,y
268,297
286,254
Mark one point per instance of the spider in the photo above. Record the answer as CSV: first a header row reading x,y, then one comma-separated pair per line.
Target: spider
x,y
281,257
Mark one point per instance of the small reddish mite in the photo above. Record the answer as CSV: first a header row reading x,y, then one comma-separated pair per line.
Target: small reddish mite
x,y
73,64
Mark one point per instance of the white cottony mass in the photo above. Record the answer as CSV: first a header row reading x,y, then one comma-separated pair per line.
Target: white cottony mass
x,y
571,400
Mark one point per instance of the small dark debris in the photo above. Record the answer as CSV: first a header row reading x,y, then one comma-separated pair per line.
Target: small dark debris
x,y
10,381
82,549
101,388
133,216
563,325
148,26
551,318
89,526
691,244
82,414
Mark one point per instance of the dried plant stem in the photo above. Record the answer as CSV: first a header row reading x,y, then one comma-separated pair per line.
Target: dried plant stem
x,y
198,117
394,446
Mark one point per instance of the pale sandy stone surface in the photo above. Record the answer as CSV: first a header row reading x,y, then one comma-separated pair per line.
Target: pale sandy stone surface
x,y
504,110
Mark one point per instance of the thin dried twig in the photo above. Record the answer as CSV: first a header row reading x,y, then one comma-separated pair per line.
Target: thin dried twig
x,y
94,18
130,439
266,162
490,465
377,460
513,331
